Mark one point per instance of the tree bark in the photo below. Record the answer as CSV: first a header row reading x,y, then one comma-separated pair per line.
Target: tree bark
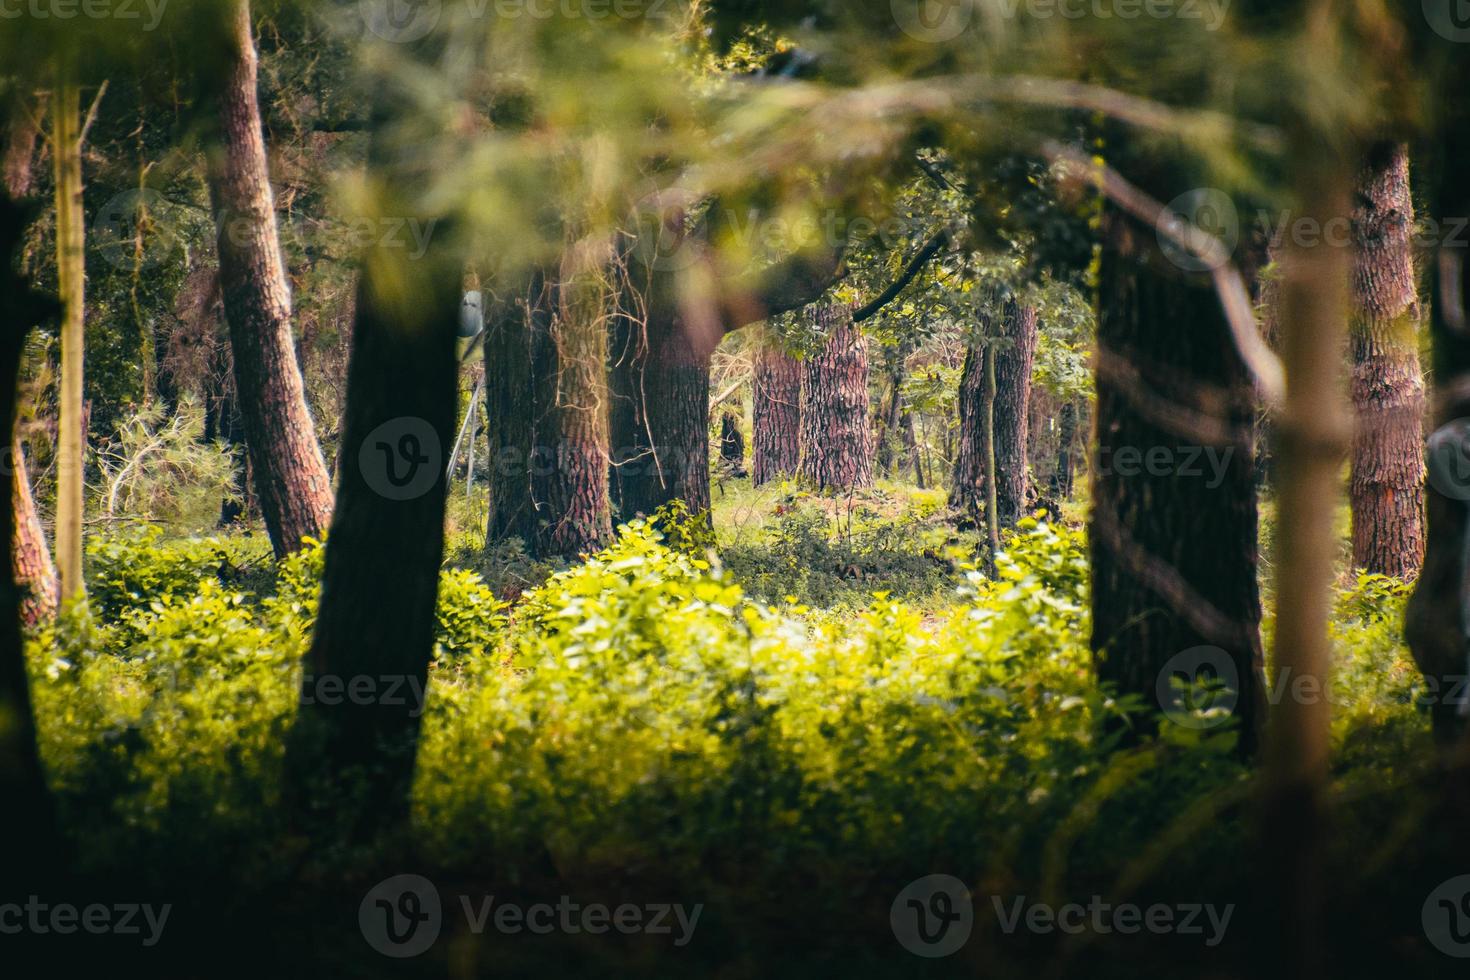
x,y
1015,354
1174,552
1067,434
836,435
1387,487
511,412
732,445
34,571
570,474
292,483
375,623
776,438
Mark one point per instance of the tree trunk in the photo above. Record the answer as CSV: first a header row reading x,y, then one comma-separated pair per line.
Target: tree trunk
x,y
776,437
66,151
23,786
34,572
291,479
660,418
1016,333
987,443
510,409
1067,433
1173,536
374,635
1387,488
732,444
570,476
836,437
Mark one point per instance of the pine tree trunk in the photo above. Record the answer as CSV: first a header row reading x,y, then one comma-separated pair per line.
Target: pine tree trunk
x,y
1067,433
34,572
732,445
1173,537
836,436
291,479
375,624
569,478
511,414
661,413
1387,488
776,438
66,151
1016,331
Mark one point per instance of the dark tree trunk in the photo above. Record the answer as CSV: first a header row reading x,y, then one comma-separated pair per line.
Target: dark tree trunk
x,y
1174,546
836,435
732,445
375,624
1438,611
1387,488
776,436
1016,335
510,411
34,571
1067,432
23,786
661,413
292,482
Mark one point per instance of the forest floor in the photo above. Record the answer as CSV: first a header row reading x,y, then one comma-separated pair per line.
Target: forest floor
x,y
788,733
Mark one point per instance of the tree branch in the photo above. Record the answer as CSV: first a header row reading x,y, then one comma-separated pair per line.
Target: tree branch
x,y
915,266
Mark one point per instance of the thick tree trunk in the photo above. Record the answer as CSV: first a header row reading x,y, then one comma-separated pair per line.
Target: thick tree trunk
x,y
1174,525
776,437
66,152
1387,488
1016,333
836,435
660,418
292,483
354,752
511,412
570,475
34,571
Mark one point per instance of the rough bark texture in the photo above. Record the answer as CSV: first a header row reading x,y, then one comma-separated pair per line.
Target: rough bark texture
x,y
34,571
776,436
1016,332
1174,555
660,419
836,435
1387,488
291,479
509,409
570,476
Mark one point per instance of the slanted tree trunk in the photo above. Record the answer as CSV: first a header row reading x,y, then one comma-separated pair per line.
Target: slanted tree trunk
x,y
34,572
292,483
776,437
1387,487
1016,334
66,153
375,625
1173,545
836,436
